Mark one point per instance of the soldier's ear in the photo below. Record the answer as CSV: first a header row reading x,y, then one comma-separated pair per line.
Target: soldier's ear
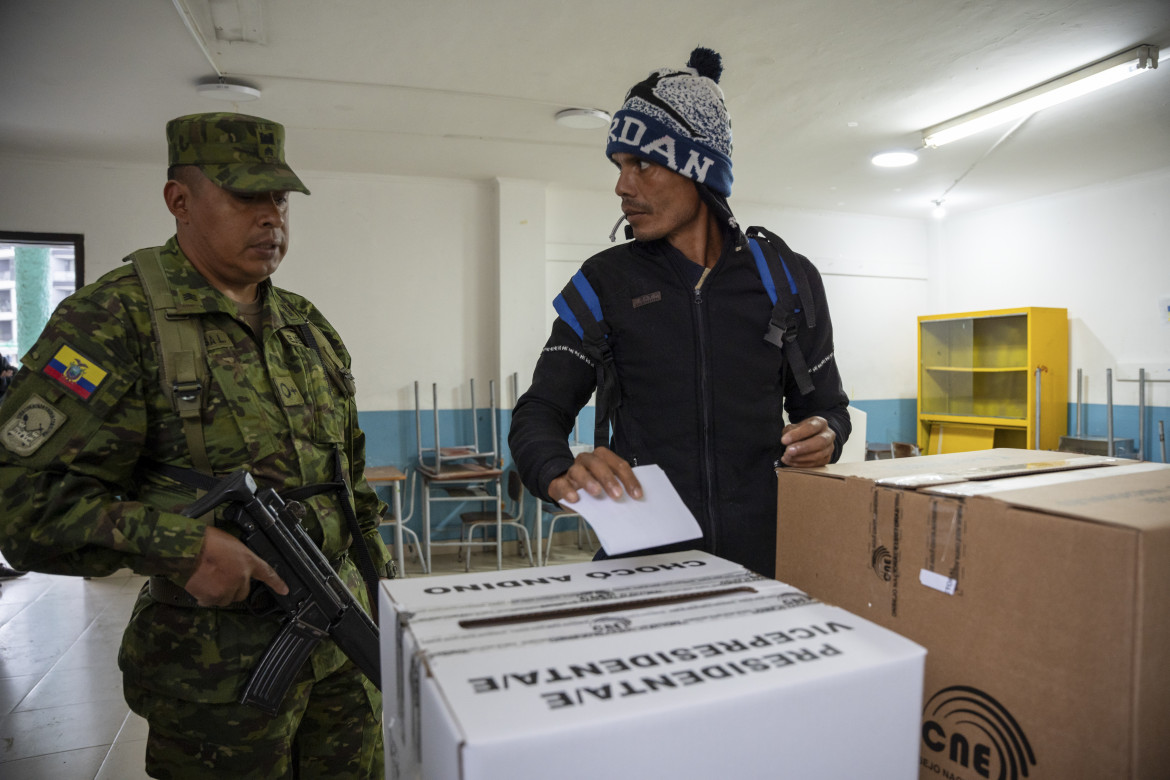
x,y
177,195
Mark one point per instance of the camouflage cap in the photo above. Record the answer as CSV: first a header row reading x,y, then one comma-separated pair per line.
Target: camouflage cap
x,y
238,152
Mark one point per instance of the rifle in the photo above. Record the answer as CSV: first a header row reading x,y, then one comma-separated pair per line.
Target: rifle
x,y
317,604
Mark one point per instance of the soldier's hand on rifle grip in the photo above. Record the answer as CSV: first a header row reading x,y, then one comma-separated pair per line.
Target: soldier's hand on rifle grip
x,y
225,569
595,472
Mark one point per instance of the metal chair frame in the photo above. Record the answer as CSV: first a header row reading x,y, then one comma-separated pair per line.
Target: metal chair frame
x,y
433,458
412,478
511,517
557,513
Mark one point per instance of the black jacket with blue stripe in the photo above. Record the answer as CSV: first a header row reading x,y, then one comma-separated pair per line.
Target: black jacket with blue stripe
x,y
702,392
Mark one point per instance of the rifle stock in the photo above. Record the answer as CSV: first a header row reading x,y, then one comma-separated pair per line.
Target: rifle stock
x,y
318,603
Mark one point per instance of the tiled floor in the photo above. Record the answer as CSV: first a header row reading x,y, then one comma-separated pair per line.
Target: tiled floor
x,y
62,716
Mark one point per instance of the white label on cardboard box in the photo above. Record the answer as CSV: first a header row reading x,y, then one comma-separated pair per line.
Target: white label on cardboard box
x,y
939,582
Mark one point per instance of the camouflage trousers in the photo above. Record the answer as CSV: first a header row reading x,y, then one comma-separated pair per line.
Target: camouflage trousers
x,y
328,729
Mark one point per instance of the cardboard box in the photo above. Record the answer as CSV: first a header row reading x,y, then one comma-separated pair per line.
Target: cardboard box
x,y
1039,582
681,664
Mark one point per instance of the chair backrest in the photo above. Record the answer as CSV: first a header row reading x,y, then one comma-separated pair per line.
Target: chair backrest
x,y
855,448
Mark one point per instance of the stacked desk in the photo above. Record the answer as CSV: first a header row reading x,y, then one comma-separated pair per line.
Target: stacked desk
x,y
461,482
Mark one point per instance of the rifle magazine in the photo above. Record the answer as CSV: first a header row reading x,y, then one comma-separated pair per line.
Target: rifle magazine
x,y
283,660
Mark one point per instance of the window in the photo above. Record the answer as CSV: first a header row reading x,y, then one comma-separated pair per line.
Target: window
x,y
37,272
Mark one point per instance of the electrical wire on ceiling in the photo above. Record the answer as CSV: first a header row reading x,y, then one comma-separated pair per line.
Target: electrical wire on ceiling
x,y
193,28
942,198
221,88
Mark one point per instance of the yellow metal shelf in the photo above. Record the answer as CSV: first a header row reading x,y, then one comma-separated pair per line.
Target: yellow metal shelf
x,y
975,419
969,370
978,375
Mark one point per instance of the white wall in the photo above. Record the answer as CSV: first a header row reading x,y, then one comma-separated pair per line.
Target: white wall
x,y
521,206
875,270
406,269
1101,252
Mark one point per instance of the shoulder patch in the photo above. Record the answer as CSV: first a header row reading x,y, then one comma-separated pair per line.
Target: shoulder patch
x,y
32,425
77,373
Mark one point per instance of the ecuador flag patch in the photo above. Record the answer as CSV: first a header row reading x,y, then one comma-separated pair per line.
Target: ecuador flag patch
x,y
75,372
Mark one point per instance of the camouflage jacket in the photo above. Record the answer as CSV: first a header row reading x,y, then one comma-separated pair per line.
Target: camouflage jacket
x,y
86,417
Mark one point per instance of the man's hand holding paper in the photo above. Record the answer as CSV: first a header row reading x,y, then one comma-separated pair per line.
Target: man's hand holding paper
x,y
595,472
629,508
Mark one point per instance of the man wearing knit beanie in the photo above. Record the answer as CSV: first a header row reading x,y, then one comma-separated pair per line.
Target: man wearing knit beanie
x,y
677,119
694,335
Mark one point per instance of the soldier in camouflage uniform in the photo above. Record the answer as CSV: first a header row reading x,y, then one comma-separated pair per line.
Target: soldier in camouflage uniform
x,y
94,454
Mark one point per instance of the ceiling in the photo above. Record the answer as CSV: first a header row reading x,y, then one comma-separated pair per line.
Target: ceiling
x,y
469,89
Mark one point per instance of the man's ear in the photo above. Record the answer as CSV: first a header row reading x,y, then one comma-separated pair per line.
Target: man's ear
x,y
177,195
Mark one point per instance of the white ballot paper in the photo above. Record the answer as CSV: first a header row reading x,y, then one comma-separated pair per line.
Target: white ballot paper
x,y
625,525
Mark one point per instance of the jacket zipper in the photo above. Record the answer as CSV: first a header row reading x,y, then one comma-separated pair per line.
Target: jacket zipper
x,y
708,460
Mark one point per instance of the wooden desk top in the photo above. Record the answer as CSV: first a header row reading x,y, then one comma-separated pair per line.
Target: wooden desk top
x,y
384,474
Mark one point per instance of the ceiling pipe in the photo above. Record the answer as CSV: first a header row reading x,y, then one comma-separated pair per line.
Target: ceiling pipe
x,y
196,33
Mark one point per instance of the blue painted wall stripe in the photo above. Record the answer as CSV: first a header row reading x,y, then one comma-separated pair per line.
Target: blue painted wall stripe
x,y
391,437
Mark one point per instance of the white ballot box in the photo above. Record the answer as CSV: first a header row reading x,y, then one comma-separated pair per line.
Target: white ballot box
x,y
682,665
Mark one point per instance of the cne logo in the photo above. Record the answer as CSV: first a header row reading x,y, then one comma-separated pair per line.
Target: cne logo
x,y
611,624
596,595
883,564
969,728
796,598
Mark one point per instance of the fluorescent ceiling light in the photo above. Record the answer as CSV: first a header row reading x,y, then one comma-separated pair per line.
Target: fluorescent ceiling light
x,y
896,159
1079,82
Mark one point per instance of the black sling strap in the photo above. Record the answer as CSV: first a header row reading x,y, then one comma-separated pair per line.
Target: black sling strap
x,y
345,496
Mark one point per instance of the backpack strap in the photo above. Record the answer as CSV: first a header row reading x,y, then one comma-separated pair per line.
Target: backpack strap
x,y
789,301
580,308
182,353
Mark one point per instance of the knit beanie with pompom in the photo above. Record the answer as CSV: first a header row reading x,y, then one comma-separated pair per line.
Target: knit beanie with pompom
x,y
677,118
